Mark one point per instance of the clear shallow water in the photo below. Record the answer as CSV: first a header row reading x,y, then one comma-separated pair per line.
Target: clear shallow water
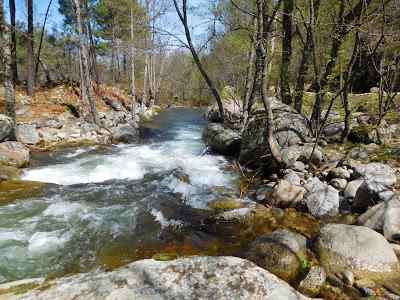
x,y
105,206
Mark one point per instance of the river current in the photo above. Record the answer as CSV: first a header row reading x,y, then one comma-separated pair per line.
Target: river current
x,y
104,206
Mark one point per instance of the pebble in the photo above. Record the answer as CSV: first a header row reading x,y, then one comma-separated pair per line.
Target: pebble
x,y
335,281
348,277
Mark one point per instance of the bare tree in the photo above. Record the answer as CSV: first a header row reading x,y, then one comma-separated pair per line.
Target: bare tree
x,y
31,64
132,51
182,14
14,42
286,51
85,72
5,58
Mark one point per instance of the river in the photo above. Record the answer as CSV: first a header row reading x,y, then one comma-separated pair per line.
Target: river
x,y
104,206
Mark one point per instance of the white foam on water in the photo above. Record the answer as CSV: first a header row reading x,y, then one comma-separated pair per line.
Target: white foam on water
x,y
7,236
64,209
41,242
79,151
164,222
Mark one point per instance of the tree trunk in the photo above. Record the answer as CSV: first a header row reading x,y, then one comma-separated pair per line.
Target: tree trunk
x,y
133,79
92,49
184,19
113,71
46,72
41,41
31,66
286,51
7,59
14,43
305,60
85,72
145,81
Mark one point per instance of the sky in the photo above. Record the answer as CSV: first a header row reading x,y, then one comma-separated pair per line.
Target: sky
x,y
55,19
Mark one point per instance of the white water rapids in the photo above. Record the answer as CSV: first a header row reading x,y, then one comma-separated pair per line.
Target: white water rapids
x,y
117,197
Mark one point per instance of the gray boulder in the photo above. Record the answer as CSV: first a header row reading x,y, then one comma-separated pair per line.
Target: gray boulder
x,y
280,252
6,128
396,150
370,193
334,131
338,183
127,133
115,105
383,217
358,153
292,177
322,199
221,139
27,134
376,171
284,194
291,129
359,249
203,278
340,173
14,154
352,188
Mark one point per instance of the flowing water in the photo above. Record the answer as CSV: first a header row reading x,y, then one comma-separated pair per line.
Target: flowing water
x,y
105,206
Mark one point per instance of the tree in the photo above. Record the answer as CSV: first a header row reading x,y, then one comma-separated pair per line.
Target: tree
x,y
182,14
5,58
85,73
14,42
31,64
133,78
286,51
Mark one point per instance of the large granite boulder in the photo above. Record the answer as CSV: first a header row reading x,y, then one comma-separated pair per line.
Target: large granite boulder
x,y
221,139
370,193
322,199
376,171
291,129
14,154
27,134
383,217
127,133
360,249
6,128
211,278
281,252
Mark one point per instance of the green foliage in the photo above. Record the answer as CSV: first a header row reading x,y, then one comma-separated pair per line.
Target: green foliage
x,y
305,266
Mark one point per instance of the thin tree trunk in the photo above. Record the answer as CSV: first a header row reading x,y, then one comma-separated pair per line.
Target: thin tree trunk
x,y
14,43
41,40
113,71
145,81
286,51
305,60
92,49
249,76
85,67
133,79
184,19
31,66
7,59
46,72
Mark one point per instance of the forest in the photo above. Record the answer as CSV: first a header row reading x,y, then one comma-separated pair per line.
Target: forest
x,y
199,149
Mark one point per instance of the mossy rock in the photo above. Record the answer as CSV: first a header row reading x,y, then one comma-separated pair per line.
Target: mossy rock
x,y
165,256
362,134
225,204
11,191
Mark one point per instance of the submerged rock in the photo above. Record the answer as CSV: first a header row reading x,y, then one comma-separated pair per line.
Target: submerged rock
x,y
378,172
6,128
360,249
191,278
221,139
27,134
281,252
14,154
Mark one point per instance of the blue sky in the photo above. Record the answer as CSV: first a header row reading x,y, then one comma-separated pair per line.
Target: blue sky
x,y
40,7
